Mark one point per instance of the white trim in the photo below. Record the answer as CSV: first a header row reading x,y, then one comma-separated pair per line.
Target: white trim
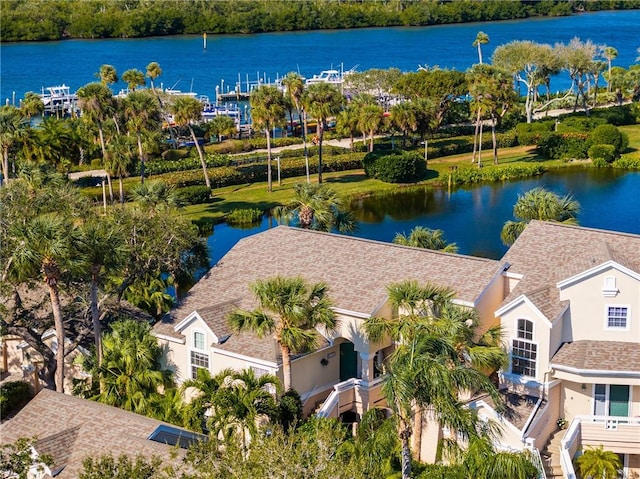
x,y
511,275
516,302
192,342
355,314
193,316
191,365
462,302
595,372
607,390
244,358
610,289
606,317
169,338
595,270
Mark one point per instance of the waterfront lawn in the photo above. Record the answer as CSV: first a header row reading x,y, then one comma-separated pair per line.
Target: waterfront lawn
x,y
633,131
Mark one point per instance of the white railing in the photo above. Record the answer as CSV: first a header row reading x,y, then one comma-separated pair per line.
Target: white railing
x,y
565,445
611,422
537,461
333,399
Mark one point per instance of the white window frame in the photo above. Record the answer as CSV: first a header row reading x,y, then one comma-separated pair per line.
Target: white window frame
x,y
530,341
193,348
609,289
606,317
607,388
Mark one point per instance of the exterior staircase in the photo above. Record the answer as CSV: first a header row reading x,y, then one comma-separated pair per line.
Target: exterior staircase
x,y
551,455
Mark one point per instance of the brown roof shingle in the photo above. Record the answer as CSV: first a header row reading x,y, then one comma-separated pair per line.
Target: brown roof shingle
x,y
599,356
70,429
356,270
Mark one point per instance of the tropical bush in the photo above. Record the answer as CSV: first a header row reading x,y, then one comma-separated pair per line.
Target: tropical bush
x,y
617,115
494,173
627,163
395,167
609,135
14,395
194,195
244,216
602,152
532,133
579,123
564,145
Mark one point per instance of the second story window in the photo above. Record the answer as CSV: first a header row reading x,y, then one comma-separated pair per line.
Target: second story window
x,y
198,340
524,352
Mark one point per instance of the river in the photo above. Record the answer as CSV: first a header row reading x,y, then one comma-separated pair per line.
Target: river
x,y
188,66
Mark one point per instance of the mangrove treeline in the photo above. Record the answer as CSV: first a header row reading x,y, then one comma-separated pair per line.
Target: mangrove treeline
x,y
34,20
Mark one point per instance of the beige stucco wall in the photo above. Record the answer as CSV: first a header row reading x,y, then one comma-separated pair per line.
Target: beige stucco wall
x,y
541,334
575,401
587,318
488,303
542,427
310,375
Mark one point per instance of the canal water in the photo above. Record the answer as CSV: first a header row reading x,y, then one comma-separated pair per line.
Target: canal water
x,y
473,217
187,66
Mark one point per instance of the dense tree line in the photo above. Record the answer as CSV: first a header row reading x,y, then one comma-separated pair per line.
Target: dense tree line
x,y
28,20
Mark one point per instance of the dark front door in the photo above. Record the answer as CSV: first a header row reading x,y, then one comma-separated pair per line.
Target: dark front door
x,y
618,400
348,362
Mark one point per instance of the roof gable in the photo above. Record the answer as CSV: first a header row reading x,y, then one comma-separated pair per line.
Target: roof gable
x,y
597,270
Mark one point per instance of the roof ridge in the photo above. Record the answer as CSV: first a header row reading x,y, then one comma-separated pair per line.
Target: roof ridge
x,y
579,227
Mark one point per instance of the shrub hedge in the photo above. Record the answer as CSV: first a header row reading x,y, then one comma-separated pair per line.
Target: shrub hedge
x,y
564,145
609,135
14,395
494,173
194,195
395,167
602,152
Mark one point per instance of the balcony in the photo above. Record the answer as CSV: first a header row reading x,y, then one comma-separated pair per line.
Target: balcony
x,y
355,395
617,434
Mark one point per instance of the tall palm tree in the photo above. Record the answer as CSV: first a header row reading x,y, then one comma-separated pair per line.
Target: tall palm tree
x,y
133,78
289,311
598,463
102,244
539,204
45,251
13,129
130,371
267,112
315,207
107,74
153,72
405,118
241,402
347,123
187,110
294,85
322,101
370,120
221,125
609,54
120,155
480,460
143,116
421,237
426,373
481,39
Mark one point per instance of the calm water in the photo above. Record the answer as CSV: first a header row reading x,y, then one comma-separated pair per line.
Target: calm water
x,y
473,217
187,66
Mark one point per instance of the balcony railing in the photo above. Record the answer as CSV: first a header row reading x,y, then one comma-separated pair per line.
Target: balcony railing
x,y
344,395
606,430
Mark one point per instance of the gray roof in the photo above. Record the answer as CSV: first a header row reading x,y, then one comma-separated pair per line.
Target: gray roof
x,y
70,428
599,356
357,272
546,253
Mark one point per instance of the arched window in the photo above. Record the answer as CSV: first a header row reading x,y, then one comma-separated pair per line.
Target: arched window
x,y
524,352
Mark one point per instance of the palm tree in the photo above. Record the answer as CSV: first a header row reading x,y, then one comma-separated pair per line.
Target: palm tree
x,y
13,129
107,74
597,463
405,118
347,123
187,110
610,54
149,293
322,101
241,403
202,391
130,372
421,237
133,78
45,251
32,104
290,310
370,120
539,204
427,372
267,112
294,85
143,115
155,195
315,207
221,125
120,155
153,72
480,460
481,39
103,246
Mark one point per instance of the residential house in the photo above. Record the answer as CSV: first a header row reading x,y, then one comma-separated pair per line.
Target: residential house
x,y
70,429
565,296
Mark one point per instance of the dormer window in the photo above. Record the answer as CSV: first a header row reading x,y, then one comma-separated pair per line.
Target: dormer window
x,y
609,290
198,340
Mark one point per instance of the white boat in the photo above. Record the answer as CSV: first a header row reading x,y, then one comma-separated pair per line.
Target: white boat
x,y
334,77
58,99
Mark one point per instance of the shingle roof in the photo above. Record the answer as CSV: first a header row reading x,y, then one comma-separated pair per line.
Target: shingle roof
x,y
599,356
546,253
356,270
70,428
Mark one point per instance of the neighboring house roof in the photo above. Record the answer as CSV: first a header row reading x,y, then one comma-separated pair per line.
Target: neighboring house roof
x,y
70,428
547,253
587,355
357,272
